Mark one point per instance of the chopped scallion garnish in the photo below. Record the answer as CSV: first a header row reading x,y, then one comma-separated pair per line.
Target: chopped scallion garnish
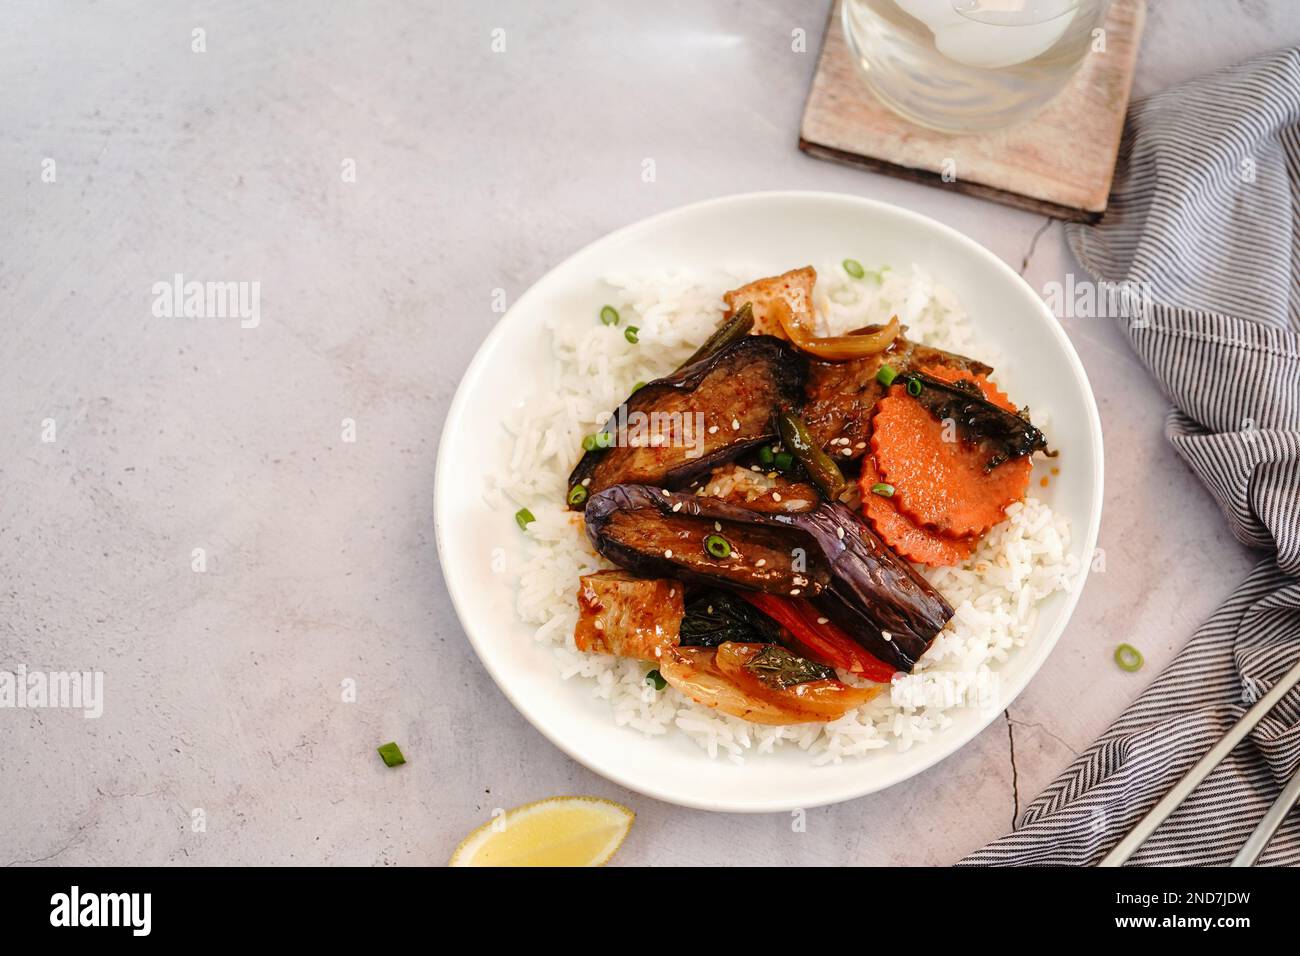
x,y
638,386
854,268
609,315
523,518
914,387
630,332
656,678
766,456
392,755
784,461
577,495
1128,657
883,489
717,546
886,375
588,442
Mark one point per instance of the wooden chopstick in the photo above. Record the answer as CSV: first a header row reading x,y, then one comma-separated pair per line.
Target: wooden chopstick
x,y
1160,812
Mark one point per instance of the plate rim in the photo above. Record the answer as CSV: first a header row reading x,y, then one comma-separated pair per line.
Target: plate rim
x,y
943,748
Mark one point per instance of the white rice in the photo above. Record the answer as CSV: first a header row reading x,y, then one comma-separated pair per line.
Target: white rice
x,y
593,368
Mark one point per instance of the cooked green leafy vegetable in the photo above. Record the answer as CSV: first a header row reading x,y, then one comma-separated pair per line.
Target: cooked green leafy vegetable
x,y
1000,434
777,667
715,617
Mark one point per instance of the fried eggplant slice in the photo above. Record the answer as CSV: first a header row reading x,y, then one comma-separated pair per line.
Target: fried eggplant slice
x,y
679,427
826,555
841,396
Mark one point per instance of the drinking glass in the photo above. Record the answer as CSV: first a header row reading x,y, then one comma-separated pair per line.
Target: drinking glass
x,y
966,66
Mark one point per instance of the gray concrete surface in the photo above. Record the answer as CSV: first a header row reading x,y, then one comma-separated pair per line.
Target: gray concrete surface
x,y
474,170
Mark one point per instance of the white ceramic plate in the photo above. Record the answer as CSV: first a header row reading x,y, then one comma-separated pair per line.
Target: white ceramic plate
x,y
774,231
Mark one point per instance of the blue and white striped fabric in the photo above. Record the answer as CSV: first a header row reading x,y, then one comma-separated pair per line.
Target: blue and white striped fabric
x,y
1204,216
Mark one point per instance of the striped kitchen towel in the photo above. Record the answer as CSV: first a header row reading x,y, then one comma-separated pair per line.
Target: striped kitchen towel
x,y
1204,219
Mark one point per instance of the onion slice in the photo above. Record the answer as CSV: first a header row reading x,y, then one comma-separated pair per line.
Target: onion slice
x,y
835,348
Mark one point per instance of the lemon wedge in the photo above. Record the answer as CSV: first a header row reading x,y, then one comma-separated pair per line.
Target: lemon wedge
x,y
560,831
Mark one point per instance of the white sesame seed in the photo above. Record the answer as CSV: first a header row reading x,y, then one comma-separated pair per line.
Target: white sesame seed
x,y
860,445
586,482
760,562
666,492
839,531
717,526
794,592
823,620
713,429
776,496
668,553
677,507
846,452
735,424
886,635
600,625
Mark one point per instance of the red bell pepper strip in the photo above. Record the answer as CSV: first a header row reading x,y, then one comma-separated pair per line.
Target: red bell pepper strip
x,y
820,639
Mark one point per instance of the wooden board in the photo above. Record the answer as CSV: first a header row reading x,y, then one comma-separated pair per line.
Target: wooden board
x,y
1059,162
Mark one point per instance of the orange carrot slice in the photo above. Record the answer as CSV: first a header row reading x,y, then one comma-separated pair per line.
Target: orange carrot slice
x,y
907,538
939,480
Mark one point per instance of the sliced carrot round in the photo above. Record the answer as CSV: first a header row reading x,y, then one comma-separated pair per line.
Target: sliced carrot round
x,y
907,538
939,479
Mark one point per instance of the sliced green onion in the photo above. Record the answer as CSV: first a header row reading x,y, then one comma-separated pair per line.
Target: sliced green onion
x,y
914,387
854,268
609,315
523,518
882,489
717,546
766,456
638,386
784,461
577,495
656,678
886,375
392,755
588,442
1128,657
630,332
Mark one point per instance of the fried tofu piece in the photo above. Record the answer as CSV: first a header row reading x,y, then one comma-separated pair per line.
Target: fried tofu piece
x,y
622,614
795,287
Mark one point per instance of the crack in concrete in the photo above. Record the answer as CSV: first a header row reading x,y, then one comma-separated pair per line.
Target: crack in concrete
x,y
43,859
1033,244
1015,774
1060,740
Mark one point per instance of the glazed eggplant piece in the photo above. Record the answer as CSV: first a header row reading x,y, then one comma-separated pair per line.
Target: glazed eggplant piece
x,y
676,428
842,395
826,555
